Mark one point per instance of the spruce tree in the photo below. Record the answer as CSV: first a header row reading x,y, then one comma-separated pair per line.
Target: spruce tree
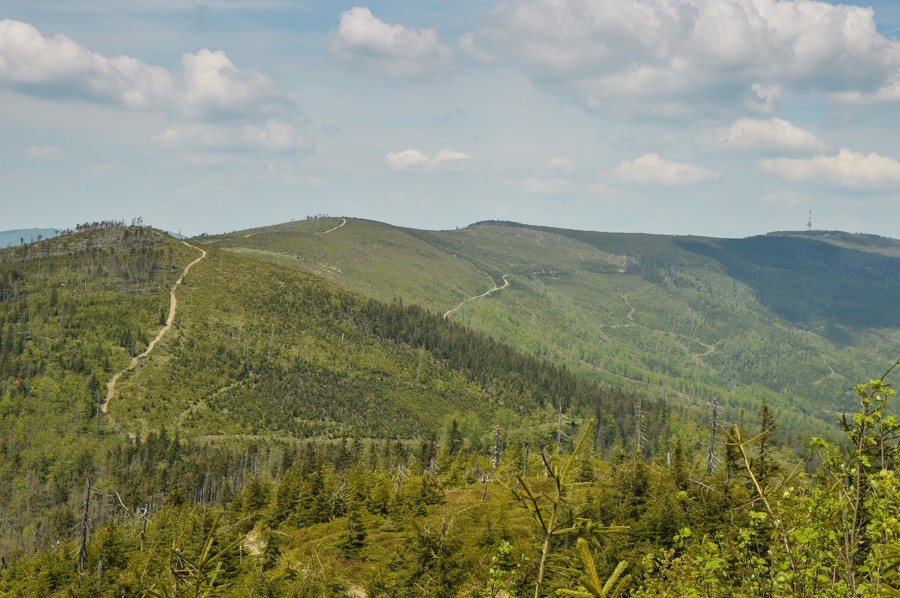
x,y
765,466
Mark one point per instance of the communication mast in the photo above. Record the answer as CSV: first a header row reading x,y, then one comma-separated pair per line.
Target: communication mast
x,y
809,222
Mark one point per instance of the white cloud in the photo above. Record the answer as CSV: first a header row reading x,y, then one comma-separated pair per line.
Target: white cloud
x,y
213,86
409,159
466,45
887,93
213,105
765,98
394,50
559,165
847,168
444,160
452,160
651,169
679,56
44,152
752,135
60,66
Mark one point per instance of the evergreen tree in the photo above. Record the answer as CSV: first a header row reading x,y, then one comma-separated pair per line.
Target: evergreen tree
x,y
765,465
354,537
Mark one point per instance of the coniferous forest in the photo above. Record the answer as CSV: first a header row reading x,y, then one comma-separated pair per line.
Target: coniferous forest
x,y
287,437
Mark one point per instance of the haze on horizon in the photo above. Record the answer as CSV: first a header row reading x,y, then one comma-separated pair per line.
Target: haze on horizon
x,y
712,117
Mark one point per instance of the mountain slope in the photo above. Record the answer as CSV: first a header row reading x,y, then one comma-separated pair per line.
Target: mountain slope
x,y
257,356
791,318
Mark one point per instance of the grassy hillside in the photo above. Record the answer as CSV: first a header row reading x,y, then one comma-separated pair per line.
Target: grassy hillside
x,y
263,350
257,355
791,318
370,258
288,437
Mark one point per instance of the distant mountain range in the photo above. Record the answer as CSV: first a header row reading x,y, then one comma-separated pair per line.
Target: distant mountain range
x,y
26,235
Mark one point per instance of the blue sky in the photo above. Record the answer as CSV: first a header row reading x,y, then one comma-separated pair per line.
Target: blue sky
x,y
714,117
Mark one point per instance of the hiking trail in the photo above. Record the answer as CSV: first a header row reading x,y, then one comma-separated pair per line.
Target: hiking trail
x,y
111,385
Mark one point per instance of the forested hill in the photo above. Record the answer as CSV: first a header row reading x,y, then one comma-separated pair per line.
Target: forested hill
x,y
257,353
287,437
793,318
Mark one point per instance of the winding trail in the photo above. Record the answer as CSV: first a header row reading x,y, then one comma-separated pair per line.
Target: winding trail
x,y
831,373
343,222
111,385
630,314
485,294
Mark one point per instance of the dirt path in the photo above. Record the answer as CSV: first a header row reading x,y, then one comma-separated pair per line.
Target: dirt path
x,y
831,373
485,294
111,385
343,222
630,314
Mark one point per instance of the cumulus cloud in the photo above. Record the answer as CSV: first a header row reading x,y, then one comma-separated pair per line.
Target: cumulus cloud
x,y
445,160
887,93
752,135
764,97
394,50
59,66
651,169
451,160
847,169
44,152
409,159
211,86
678,56
466,45
212,105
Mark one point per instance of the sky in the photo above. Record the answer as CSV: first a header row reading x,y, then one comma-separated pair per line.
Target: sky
x,y
726,118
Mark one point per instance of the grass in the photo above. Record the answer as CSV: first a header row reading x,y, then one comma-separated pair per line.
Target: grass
x,y
779,317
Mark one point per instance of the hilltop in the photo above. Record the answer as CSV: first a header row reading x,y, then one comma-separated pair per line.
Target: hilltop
x,y
792,318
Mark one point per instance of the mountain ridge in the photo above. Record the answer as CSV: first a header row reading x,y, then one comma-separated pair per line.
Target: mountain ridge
x,y
769,317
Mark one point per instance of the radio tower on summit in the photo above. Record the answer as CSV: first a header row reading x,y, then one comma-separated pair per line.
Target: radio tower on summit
x,y
809,222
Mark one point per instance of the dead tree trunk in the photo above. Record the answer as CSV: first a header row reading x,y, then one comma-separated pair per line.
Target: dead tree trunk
x,y
82,551
144,526
711,454
495,460
639,426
